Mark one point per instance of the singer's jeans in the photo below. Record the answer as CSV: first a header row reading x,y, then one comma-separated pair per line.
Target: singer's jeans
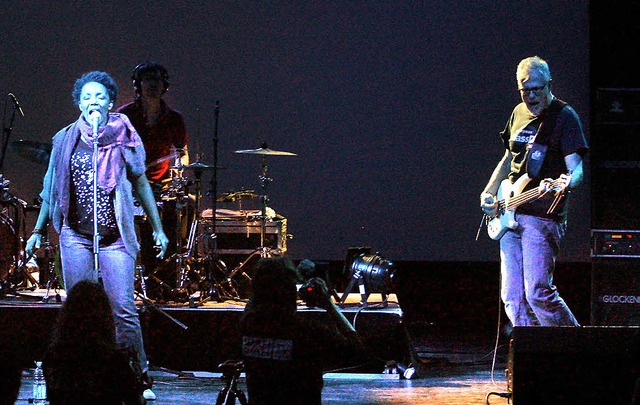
x,y
528,254
117,269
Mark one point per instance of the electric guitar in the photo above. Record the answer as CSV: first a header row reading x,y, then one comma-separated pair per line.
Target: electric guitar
x,y
510,197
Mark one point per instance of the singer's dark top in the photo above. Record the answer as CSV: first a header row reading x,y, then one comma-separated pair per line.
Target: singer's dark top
x,y
81,207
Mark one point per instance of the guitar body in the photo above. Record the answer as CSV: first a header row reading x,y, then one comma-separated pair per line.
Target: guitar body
x,y
505,219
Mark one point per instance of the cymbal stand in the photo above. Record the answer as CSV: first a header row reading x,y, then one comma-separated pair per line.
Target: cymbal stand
x,y
182,199
191,252
261,250
215,290
50,263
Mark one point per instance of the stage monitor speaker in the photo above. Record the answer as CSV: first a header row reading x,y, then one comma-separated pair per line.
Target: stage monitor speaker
x,y
572,365
615,292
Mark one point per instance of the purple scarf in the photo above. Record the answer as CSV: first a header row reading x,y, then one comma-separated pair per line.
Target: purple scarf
x,y
112,139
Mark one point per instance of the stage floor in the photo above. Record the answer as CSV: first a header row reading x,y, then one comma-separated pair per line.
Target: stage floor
x,y
200,335
184,361
452,385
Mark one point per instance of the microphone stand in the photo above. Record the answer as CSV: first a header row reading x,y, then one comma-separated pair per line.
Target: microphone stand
x,y
94,167
7,134
213,193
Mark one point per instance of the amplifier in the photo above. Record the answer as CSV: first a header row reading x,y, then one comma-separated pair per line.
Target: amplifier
x,y
615,243
619,105
243,237
615,292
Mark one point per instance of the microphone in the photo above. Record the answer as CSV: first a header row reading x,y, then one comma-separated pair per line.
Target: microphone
x,y
94,116
16,105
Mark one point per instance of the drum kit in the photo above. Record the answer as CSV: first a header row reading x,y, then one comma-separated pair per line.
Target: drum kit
x,y
193,270
16,270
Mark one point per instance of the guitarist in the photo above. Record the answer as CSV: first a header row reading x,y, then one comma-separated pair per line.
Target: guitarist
x,y
543,140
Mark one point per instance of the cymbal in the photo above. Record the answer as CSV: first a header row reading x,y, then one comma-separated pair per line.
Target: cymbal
x,y
233,196
162,159
37,152
263,150
197,167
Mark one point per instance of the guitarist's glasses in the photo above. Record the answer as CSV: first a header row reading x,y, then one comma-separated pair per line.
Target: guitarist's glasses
x,y
536,90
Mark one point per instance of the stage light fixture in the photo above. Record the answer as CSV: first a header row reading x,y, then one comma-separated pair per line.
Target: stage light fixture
x,y
372,274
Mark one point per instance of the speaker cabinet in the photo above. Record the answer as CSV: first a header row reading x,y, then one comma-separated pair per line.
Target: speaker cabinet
x,y
615,292
572,365
615,159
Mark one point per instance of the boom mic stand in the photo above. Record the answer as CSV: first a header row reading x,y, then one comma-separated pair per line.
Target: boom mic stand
x,y
214,292
7,129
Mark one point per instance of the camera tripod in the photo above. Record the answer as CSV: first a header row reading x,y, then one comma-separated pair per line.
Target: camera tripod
x,y
230,393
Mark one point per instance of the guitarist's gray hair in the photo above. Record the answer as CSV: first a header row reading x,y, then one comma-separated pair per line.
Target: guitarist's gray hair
x,y
533,63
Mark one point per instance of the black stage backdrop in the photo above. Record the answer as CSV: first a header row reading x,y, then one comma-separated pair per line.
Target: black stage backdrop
x,y
393,107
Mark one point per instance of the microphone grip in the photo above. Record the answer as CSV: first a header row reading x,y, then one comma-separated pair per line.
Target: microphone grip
x,y
94,116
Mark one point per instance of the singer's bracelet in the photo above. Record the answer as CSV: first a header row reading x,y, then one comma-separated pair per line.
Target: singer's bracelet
x,y
37,231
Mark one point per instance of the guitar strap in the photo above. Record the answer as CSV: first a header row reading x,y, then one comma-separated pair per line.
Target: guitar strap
x,y
538,150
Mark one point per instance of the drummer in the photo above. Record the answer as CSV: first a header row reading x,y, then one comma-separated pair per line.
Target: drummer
x,y
165,139
161,128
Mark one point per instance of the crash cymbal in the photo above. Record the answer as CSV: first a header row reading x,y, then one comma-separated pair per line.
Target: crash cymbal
x,y
264,150
37,152
234,196
198,167
171,156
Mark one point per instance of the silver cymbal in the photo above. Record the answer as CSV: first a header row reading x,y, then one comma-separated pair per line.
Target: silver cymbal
x,y
263,150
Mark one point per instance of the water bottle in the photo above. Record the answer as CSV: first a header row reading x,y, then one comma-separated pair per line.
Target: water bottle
x,y
39,386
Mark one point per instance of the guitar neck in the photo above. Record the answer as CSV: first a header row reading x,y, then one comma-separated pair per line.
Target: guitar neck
x,y
525,197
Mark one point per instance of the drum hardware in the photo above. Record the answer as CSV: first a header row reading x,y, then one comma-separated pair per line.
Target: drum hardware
x,y
14,275
53,281
187,262
262,251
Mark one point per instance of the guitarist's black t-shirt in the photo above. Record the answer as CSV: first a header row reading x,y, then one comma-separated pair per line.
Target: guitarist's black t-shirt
x,y
567,138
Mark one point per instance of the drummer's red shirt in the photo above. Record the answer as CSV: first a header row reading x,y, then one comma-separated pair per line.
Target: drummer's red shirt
x,y
158,139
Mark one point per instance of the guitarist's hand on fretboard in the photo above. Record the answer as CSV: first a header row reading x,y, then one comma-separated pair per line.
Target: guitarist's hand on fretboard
x,y
560,186
557,186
